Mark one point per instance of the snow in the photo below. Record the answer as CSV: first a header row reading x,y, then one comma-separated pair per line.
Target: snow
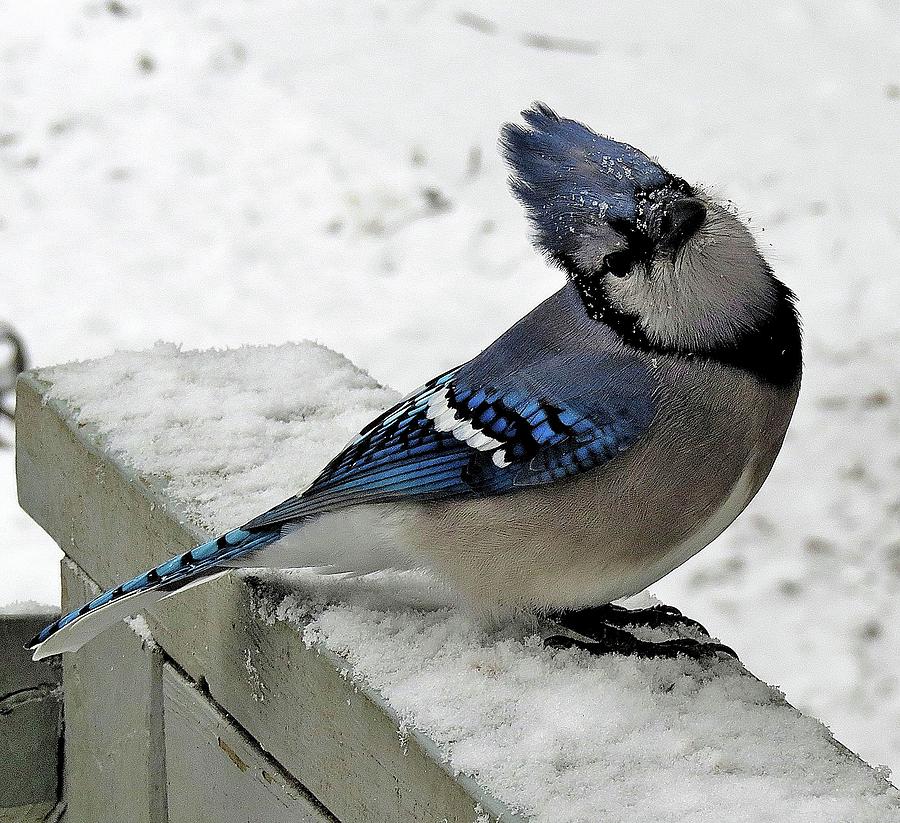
x,y
141,628
568,737
229,173
559,735
229,432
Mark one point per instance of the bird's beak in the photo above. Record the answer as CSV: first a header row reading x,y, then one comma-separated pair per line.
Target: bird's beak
x,y
678,219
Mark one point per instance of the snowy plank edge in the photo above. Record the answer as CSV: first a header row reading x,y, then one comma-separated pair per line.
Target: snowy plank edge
x,y
559,731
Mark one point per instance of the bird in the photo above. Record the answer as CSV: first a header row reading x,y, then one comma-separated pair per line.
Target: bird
x,y
605,438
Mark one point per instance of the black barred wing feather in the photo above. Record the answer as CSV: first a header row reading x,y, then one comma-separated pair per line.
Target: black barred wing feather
x,y
558,418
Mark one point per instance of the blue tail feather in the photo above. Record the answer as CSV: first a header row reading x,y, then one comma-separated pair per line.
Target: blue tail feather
x,y
173,574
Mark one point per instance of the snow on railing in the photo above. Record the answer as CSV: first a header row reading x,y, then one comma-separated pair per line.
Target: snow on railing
x,y
360,699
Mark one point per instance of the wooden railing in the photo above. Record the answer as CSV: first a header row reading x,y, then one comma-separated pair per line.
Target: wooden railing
x,y
203,710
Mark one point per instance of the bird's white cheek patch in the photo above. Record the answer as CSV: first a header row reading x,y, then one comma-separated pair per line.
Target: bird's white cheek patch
x,y
447,419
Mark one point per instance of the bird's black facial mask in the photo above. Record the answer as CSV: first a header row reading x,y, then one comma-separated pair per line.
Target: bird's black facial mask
x,y
598,206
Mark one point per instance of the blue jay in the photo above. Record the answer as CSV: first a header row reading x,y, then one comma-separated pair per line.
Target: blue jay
x,y
600,442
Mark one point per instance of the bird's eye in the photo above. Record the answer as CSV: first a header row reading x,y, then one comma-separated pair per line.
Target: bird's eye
x,y
618,263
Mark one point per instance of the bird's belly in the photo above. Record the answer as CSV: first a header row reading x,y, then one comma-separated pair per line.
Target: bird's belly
x,y
670,558
567,548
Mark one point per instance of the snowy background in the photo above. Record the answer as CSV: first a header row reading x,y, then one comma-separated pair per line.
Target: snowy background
x,y
222,173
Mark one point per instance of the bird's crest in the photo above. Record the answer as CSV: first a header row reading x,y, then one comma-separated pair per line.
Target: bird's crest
x,y
571,179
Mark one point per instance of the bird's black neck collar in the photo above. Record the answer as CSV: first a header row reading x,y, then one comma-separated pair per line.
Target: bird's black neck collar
x,y
771,351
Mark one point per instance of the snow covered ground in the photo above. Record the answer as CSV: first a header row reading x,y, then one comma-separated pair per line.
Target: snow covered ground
x,y
223,173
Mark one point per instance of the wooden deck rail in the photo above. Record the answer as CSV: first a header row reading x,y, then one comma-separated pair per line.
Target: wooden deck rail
x,y
169,719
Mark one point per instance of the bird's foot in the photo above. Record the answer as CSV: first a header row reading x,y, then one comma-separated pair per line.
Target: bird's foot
x,y
602,626
684,646
653,617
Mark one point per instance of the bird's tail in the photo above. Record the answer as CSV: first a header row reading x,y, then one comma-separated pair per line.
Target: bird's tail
x,y
199,565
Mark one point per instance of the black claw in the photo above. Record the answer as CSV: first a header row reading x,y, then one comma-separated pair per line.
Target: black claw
x,y
604,628
560,641
586,620
696,649
621,642
605,639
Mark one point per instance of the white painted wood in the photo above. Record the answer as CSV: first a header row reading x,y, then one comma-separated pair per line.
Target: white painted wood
x,y
114,769
18,671
29,746
30,813
338,743
215,773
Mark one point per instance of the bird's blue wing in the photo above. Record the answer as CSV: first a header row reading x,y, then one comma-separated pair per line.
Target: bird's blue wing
x,y
461,436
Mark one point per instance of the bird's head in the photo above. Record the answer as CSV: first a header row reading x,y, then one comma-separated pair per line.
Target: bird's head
x,y
651,255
